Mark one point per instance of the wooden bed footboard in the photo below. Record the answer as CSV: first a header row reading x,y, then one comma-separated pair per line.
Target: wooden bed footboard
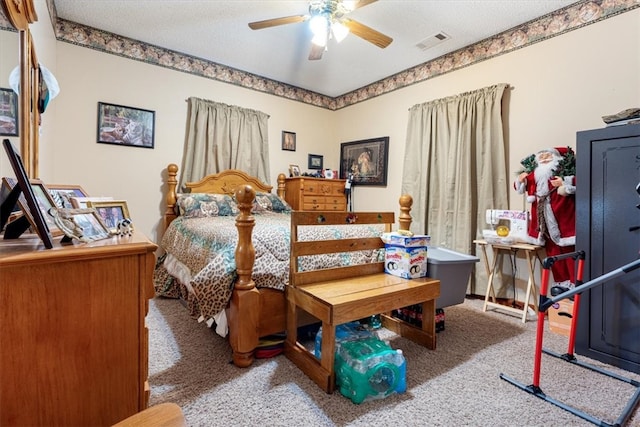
x,y
252,313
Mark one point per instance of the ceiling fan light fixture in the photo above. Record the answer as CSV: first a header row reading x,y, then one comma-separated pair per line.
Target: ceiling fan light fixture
x,y
339,31
320,39
319,25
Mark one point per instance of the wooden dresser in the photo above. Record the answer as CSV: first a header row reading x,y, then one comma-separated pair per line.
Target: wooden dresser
x,y
73,339
315,194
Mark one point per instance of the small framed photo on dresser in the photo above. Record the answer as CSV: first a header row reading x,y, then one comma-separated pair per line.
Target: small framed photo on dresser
x,y
62,194
111,212
294,170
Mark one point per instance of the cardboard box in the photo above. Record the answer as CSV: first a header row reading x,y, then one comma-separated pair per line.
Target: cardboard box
x,y
415,241
407,262
560,318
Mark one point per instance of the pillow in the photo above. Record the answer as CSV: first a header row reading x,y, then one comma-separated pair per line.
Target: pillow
x,y
270,202
200,205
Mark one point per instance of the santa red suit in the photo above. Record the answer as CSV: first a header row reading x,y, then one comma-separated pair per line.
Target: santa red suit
x,y
552,220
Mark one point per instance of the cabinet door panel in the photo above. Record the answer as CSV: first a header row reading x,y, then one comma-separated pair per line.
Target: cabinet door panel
x,y
616,304
608,170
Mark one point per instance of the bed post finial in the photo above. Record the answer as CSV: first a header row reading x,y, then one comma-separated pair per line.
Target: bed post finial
x,y
245,252
172,197
405,208
282,178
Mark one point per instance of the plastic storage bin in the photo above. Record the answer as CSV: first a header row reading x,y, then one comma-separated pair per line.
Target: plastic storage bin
x,y
453,269
368,369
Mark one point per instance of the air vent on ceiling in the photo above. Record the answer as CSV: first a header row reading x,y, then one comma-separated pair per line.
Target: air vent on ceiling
x,y
433,40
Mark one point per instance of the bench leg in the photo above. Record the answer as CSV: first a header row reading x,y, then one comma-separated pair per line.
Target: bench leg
x,y
429,322
320,371
426,335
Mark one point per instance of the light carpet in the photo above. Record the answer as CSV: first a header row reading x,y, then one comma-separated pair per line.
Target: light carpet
x,y
458,384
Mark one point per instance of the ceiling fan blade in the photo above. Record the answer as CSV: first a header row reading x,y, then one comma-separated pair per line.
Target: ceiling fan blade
x,y
258,25
367,33
363,3
316,52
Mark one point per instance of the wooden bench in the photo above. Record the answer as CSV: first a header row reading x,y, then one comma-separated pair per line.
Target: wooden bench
x,y
342,294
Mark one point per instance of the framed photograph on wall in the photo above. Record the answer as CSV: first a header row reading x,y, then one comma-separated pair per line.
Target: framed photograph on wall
x,y
62,194
315,161
122,125
288,141
8,112
111,212
365,161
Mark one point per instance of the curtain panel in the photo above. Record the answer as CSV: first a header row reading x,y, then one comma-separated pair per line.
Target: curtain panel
x,y
455,166
221,137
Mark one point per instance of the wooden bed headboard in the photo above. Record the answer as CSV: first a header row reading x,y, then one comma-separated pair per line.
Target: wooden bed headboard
x,y
225,182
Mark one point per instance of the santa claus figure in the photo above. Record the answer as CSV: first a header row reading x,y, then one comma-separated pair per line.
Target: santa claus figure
x,y
548,179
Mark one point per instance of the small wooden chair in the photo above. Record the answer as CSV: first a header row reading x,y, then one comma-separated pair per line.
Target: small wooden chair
x,y
342,294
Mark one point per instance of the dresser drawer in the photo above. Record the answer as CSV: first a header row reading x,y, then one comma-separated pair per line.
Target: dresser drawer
x,y
313,203
315,187
338,205
337,189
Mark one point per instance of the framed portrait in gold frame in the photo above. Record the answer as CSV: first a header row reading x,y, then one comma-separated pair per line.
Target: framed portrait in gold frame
x,y
111,212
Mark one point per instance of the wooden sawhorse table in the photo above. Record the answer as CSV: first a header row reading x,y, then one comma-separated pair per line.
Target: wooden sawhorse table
x,y
531,253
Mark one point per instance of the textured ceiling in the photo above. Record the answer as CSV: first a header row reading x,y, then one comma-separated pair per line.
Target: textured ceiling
x,y
217,31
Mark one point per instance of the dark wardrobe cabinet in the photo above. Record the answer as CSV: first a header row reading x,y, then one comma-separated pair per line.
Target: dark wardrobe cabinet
x,y
607,221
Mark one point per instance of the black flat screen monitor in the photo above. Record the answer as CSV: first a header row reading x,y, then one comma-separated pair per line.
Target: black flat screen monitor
x,y
32,210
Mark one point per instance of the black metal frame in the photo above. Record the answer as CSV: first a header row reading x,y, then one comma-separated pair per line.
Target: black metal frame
x,y
543,306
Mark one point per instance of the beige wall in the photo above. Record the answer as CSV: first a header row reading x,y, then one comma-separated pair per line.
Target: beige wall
x,y
561,85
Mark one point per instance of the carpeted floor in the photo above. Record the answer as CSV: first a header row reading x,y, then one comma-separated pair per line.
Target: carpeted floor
x,y
458,384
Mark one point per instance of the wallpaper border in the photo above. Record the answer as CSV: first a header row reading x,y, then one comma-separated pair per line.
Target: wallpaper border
x,y
570,18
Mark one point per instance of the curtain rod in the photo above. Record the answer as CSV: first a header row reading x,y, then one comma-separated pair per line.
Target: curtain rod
x,y
507,86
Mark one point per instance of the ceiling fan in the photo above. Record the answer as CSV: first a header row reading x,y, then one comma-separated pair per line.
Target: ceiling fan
x,y
327,19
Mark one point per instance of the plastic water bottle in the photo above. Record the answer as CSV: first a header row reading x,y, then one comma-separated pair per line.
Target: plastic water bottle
x,y
375,321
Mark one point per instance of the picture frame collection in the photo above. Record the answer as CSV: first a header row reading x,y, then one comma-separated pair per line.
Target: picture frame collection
x,y
56,210
363,162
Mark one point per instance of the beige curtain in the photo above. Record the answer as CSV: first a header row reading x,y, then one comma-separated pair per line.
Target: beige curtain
x,y
221,137
455,166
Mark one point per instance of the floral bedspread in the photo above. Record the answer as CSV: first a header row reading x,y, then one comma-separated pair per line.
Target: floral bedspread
x,y
202,250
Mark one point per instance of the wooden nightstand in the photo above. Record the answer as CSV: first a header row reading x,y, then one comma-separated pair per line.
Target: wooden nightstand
x,y
315,194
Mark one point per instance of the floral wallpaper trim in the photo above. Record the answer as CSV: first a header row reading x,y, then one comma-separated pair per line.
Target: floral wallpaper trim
x,y
556,23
